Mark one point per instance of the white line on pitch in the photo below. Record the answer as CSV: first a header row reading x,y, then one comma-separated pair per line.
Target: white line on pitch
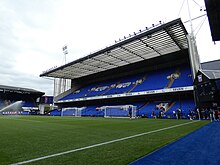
x,y
100,144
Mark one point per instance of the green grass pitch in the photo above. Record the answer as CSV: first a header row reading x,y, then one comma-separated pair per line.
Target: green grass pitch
x,y
27,137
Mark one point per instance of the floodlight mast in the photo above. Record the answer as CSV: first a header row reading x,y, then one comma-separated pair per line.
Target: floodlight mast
x,y
190,19
62,84
65,52
193,52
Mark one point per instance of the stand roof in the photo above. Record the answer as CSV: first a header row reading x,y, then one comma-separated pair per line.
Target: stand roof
x,y
157,41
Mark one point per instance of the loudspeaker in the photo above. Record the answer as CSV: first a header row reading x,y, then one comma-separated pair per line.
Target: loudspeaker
x,y
213,13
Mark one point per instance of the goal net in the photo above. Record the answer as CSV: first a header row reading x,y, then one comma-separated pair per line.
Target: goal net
x,y
72,111
119,111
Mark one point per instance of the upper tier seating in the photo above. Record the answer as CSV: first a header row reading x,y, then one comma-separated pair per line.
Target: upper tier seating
x,y
124,85
77,94
154,80
185,78
160,79
101,88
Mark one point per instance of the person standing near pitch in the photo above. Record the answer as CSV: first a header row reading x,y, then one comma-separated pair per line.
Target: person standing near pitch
x,y
130,112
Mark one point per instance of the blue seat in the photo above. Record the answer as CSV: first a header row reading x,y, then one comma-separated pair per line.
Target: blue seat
x,y
55,112
185,78
154,80
184,105
125,85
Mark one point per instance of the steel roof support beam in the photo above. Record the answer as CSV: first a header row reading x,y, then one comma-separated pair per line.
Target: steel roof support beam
x,y
119,58
104,62
85,69
128,50
150,47
171,36
93,66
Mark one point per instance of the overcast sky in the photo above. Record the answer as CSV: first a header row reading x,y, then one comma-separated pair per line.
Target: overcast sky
x,y
33,32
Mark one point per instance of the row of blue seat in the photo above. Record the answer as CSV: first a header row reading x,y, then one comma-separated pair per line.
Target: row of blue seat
x,y
185,106
142,82
142,110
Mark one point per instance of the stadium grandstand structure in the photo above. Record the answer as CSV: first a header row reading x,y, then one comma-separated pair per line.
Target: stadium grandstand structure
x,y
16,100
152,71
207,87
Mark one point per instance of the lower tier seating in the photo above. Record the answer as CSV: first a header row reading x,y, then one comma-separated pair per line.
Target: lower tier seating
x,y
166,109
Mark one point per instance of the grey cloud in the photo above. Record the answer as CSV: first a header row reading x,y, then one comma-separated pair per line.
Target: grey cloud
x,y
32,14
27,81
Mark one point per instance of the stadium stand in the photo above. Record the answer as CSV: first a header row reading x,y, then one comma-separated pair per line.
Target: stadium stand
x,y
137,83
79,93
143,109
2,103
25,97
211,65
100,89
154,80
29,103
150,70
124,85
207,89
142,82
184,79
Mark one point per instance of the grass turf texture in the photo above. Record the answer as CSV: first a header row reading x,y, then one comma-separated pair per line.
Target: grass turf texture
x,y
27,137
